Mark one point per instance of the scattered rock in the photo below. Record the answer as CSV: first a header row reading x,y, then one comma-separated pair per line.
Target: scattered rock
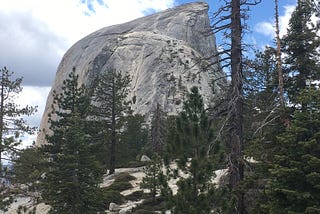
x,y
114,207
126,210
145,158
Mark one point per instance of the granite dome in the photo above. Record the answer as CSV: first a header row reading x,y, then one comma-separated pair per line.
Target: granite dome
x,y
165,53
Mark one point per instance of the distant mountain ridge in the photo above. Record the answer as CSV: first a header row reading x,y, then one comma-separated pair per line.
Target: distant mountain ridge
x,y
165,53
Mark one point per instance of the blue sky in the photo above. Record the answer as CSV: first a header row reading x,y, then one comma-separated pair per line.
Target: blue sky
x,y
261,14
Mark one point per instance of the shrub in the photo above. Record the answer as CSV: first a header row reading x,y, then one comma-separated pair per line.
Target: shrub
x,y
119,186
112,196
124,177
135,196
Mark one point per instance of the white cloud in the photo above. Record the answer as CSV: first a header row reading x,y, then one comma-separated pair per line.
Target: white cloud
x,y
32,96
267,27
284,20
36,33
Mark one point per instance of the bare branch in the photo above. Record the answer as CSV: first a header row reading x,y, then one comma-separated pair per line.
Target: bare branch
x,y
267,120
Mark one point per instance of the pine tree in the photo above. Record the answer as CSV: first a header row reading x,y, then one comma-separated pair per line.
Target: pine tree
x,y
193,135
12,125
301,47
71,184
262,124
158,130
154,179
294,176
262,101
294,183
111,107
133,139
29,167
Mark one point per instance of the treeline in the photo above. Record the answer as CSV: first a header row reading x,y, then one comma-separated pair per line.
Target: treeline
x,y
265,131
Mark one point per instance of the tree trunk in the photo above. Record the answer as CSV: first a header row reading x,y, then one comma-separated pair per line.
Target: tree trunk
x,y
236,129
278,55
1,120
113,130
157,136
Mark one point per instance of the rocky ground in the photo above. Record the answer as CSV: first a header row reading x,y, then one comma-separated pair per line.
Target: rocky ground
x,y
126,207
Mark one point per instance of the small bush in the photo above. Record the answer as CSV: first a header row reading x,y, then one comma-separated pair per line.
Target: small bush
x,y
112,196
152,205
124,177
135,164
135,196
119,186
121,182
131,164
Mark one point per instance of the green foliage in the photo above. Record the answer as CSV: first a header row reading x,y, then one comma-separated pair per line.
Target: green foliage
x,y
133,139
112,192
281,181
262,123
29,167
12,123
110,108
132,164
25,210
124,177
150,206
302,55
190,142
135,196
119,186
6,198
154,178
71,183
111,196
121,182
295,176
158,130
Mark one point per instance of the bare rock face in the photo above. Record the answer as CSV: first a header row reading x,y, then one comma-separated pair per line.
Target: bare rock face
x,y
165,54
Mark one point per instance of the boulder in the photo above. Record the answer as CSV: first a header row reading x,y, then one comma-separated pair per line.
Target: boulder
x,y
113,207
145,158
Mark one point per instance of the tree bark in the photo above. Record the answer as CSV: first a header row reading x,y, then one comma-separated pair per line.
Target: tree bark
x,y
236,129
278,55
1,120
113,130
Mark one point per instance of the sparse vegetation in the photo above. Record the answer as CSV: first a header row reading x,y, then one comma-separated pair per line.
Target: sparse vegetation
x,y
111,196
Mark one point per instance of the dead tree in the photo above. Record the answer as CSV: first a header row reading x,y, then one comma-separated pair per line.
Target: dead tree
x,y
229,21
278,55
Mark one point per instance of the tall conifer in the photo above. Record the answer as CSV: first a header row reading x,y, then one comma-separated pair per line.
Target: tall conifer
x,y
71,184
293,183
12,125
189,145
111,107
302,55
